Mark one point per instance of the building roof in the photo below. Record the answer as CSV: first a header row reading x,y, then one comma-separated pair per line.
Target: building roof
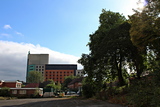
x,y
76,80
32,85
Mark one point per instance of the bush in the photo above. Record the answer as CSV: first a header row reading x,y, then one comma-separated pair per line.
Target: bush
x,y
88,90
144,93
5,92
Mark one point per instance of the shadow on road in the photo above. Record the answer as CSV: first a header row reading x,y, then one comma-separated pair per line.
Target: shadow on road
x,y
57,102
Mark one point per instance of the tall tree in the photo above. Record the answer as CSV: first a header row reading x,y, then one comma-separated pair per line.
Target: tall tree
x,y
106,56
145,33
35,77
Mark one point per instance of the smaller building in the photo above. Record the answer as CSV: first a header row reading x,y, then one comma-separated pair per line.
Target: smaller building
x,y
76,83
16,89
10,84
26,92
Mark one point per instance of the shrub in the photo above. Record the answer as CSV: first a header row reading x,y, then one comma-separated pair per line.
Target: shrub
x,y
88,90
5,92
144,93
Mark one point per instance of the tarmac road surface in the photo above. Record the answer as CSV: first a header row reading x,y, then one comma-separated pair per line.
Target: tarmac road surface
x,y
55,102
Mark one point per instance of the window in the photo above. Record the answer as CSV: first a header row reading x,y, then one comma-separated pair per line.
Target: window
x,y
36,69
39,66
36,66
14,91
18,85
39,69
42,66
42,69
22,92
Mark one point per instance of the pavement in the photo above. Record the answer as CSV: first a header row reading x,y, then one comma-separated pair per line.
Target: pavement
x,y
56,102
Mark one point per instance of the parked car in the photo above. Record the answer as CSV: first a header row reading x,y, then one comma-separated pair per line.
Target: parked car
x,y
71,92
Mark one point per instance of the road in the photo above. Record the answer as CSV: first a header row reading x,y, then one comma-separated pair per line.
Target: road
x,y
55,102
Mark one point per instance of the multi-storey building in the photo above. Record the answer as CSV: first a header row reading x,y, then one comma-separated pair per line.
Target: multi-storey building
x,y
58,72
36,62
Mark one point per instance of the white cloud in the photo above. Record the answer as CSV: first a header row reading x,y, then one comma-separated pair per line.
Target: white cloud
x,y
14,59
18,33
4,35
7,27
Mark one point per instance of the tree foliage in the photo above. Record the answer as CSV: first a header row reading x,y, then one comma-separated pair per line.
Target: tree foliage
x,y
5,92
35,77
119,46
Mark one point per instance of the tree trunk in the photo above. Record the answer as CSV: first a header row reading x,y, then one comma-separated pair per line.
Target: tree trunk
x,y
119,69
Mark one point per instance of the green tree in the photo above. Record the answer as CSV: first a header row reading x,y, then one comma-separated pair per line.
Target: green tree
x,y
106,46
145,33
51,84
35,77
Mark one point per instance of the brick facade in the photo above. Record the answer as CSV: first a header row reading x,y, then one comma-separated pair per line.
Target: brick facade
x,y
58,75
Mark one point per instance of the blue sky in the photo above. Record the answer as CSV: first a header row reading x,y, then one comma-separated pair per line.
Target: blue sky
x,y
61,25
60,28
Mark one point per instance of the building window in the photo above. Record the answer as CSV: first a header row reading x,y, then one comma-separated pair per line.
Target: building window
x,y
36,66
14,91
42,66
22,92
36,69
18,85
39,66
42,69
